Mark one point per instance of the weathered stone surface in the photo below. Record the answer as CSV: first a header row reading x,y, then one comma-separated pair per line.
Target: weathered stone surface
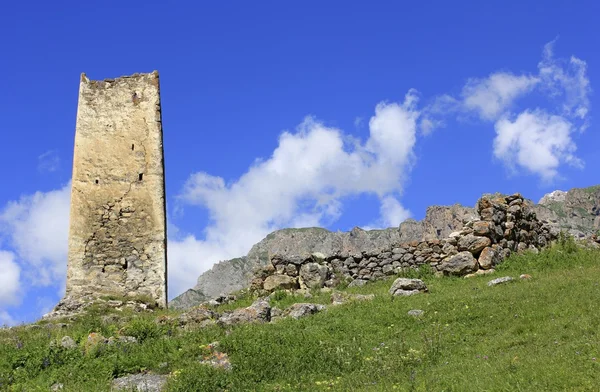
x,y
140,382
358,283
299,310
497,281
405,293
405,286
279,282
473,244
117,240
459,264
481,228
197,315
577,211
312,275
188,299
68,342
488,258
258,312
440,221
416,312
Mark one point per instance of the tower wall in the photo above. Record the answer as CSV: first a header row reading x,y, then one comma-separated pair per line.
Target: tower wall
x,y
117,238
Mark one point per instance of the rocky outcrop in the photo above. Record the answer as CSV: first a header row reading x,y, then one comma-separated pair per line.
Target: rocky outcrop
x,y
236,274
576,212
503,224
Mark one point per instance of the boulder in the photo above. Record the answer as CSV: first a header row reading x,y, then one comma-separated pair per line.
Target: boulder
x,y
313,275
358,283
279,282
68,342
299,310
142,382
405,287
481,228
258,312
416,312
488,258
197,315
497,281
473,244
460,264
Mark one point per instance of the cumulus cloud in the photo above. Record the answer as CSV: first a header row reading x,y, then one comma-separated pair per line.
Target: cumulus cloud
x,y
536,141
10,280
301,184
491,96
567,81
391,213
37,229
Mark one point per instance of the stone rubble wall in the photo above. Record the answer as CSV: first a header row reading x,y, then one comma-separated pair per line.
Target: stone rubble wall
x,y
506,224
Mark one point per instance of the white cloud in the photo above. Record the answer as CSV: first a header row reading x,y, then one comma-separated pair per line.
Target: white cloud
x,y
391,213
10,282
567,81
49,161
492,96
37,228
536,141
300,185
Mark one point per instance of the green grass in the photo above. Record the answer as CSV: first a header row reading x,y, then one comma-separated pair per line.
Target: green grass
x,y
592,189
529,335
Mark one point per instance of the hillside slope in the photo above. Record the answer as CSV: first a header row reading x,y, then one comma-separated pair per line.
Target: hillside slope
x,y
534,334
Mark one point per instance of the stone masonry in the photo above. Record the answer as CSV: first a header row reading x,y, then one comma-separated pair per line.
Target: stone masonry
x,y
504,224
117,238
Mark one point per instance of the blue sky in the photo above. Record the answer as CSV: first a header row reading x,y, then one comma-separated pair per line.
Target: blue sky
x,y
280,114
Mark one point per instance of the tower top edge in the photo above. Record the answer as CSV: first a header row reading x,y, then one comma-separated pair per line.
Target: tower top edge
x,y
139,76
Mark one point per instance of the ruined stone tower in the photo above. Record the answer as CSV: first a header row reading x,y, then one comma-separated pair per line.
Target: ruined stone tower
x,y
117,238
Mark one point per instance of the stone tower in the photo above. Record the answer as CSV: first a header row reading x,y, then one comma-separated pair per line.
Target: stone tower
x,y
117,234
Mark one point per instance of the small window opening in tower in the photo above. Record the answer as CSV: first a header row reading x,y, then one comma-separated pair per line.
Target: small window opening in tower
x,y
140,176
132,147
97,181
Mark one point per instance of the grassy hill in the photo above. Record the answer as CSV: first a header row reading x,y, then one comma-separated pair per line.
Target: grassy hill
x,y
540,334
